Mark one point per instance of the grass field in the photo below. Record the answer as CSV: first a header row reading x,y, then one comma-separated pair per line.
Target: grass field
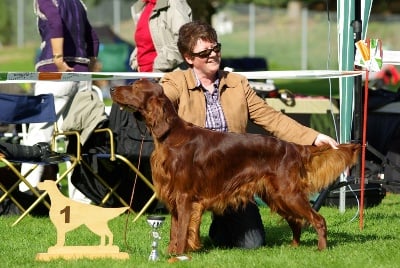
x,y
376,245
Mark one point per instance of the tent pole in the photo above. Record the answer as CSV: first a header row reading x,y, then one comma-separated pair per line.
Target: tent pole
x,y
358,106
358,94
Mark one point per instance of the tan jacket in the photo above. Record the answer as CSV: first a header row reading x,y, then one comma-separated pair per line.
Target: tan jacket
x,y
239,102
85,114
165,20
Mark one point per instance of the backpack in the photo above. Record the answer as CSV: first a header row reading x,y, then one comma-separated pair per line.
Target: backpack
x,y
129,129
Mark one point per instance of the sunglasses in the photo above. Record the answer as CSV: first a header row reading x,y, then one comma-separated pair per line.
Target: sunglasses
x,y
207,52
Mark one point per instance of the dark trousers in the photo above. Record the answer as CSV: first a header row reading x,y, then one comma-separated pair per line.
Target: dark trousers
x,y
242,228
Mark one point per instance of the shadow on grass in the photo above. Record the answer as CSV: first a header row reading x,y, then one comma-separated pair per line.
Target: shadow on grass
x,y
278,236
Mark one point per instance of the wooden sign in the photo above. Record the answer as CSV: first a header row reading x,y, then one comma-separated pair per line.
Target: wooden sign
x,y
67,215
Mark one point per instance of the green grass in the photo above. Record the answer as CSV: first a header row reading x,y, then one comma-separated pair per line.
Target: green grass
x,y
13,59
376,245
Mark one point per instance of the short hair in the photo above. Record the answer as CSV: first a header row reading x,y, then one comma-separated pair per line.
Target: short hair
x,y
191,32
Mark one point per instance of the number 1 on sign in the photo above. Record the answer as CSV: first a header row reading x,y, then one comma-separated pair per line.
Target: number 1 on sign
x,y
67,211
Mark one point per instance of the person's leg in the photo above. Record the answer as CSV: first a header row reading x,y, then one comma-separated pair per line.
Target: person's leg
x,y
42,132
73,192
242,228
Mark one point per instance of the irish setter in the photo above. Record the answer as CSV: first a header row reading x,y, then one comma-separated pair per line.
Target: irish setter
x,y
195,169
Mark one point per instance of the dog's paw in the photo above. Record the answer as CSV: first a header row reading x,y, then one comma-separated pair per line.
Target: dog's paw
x,y
179,258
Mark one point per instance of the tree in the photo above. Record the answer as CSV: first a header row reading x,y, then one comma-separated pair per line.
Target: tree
x,y
5,23
203,10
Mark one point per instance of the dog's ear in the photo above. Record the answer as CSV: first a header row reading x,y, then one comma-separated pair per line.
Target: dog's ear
x,y
157,120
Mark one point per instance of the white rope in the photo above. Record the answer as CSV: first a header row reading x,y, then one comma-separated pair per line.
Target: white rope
x,y
26,77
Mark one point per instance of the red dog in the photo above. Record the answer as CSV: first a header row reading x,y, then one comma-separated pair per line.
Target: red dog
x,y
195,169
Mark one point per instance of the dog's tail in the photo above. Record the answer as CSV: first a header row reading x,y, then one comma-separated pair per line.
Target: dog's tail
x,y
325,164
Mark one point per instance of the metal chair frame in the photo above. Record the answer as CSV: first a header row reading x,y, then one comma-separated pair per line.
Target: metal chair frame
x,y
112,156
45,102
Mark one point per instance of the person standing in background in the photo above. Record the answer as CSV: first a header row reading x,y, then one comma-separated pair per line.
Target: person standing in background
x,y
69,43
157,24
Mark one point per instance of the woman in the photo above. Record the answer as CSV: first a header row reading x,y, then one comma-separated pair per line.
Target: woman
x,y
224,101
157,24
69,43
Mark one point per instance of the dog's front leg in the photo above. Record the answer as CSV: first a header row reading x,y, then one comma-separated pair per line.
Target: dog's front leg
x,y
194,242
173,234
184,207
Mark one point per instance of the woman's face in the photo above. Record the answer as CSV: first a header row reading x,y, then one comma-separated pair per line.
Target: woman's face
x,y
205,57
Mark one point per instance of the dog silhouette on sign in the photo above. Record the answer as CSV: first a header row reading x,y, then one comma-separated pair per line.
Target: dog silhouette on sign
x,y
67,215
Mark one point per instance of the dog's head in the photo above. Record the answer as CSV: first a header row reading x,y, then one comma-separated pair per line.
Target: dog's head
x,y
148,99
134,97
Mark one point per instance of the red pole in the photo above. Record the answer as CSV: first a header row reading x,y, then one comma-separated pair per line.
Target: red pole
x,y
363,151
364,142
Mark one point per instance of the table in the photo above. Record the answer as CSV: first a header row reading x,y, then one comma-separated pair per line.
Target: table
x,y
314,112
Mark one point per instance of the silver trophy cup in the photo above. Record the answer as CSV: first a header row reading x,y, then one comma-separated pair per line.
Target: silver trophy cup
x,y
155,222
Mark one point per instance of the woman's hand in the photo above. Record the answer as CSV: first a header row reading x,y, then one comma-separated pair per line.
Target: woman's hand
x,y
322,139
61,65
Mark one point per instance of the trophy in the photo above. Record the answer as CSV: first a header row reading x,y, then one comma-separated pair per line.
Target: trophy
x,y
155,222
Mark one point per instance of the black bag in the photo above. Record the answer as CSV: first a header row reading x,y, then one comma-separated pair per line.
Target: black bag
x,y
392,167
26,199
380,97
127,138
129,130
373,195
7,207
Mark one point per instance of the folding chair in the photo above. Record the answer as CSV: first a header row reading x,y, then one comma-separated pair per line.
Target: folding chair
x,y
24,109
112,190
87,106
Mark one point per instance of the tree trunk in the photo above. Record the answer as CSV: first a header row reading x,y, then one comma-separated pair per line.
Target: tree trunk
x,y
202,10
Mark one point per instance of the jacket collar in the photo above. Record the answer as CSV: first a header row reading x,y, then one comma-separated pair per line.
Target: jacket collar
x,y
198,83
160,4
193,82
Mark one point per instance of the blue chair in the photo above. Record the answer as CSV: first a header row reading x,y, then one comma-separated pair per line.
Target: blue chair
x,y
26,109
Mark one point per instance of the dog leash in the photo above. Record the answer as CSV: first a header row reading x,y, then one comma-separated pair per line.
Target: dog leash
x,y
143,135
